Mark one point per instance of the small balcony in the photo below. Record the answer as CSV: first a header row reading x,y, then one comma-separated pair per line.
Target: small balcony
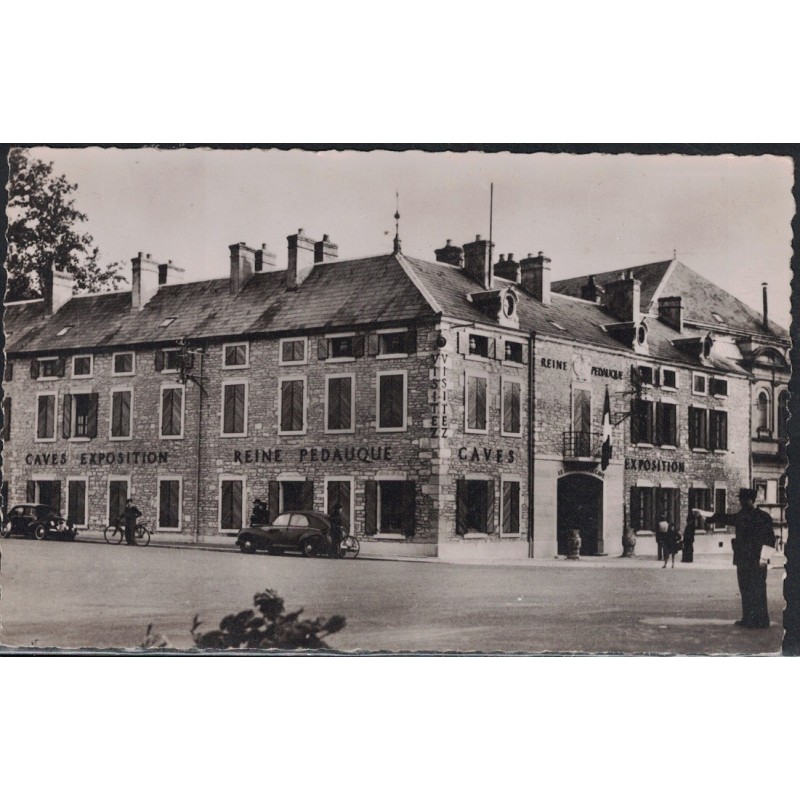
x,y
582,445
766,450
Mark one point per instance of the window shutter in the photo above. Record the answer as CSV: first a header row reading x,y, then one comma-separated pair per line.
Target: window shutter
x,y
491,347
463,342
411,341
34,368
370,507
507,408
159,360
274,500
461,507
8,372
692,427
323,348
55,497
66,417
30,491
659,424
636,509
490,507
6,419
635,423
91,423
409,508
656,376
723,430
373,344
524,353
358,346
61,366
505,523
308,496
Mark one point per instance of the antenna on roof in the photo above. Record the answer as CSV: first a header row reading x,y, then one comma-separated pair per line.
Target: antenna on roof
x,y
397,223
491,219
674,253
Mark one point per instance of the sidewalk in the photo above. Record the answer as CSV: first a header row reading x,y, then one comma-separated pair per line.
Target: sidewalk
x,y
227,544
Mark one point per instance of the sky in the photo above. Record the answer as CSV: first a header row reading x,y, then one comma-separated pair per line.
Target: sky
x,y
727,217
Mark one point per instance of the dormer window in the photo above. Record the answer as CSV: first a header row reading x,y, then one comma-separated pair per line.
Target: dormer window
x,y
167,322
478,345
509,305
556,325
717,317
65,330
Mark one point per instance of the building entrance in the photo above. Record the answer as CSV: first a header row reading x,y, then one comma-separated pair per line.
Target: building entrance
x,y
580,506
48,493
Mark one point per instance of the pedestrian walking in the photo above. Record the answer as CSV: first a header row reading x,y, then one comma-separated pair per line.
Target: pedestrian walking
x,y
661,534
753,532
672,543
688,538
336,530
130,515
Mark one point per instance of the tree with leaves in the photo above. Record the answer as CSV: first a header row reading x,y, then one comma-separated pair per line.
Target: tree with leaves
x,y
44,232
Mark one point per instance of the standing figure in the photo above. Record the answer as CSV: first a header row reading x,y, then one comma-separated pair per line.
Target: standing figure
x,y
661,535
753,531
130,515
260,515
336,530
688,538
672,543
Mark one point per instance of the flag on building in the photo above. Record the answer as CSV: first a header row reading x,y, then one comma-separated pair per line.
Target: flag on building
x,y
606,453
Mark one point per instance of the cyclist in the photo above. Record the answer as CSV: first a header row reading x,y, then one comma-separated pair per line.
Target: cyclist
x,y
130,515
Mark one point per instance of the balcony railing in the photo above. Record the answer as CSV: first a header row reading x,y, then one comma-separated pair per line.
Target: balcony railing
x,y
582,445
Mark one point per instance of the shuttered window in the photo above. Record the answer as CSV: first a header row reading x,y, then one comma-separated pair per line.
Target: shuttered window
x,y
236,355
294,351
123,363
230,500
698,427
397,502
172,412
642,508
340,403
642,422
667,424
718,430
474,506
511,407
234,409
76,502
391,401
46,416
510,507
169,504
121,414
292,406
340,492
81,409
476,403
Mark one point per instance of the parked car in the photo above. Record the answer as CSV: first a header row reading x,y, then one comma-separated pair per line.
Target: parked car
x,y
306,531
39,521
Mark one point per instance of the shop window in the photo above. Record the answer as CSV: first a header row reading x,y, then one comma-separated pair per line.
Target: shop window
x,y
642,422
293,351
121,413
718,387
390,507
171,412
123,364
667,424
339,395
46,417
478,345
76,502
642,508
341,492
391,401
474,506
80,416
511,407
510,510
698,428
231,504
476,402
292,411
117,495
698,383
6,419
513,351
234,409
718,430
236,355
720,504
169,504
669,379
82,366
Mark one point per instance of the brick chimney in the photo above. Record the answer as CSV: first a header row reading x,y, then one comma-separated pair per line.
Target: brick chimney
x,y
536,276
508,268
623,298
265,260
670,312
591,291
325,250
57,290
450,254
242,265
477,262
301,259
170,274
144,280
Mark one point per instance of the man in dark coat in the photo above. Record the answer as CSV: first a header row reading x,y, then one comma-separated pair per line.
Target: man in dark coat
x,y
336,530
260,515
753,531
130,515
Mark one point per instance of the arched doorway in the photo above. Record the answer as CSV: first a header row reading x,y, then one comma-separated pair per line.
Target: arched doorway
x,y
580,505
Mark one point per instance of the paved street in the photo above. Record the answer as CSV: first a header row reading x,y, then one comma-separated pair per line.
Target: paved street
x,y
73,594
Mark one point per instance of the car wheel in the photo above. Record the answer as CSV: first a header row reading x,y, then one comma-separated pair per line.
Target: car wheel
x,y
248,546
40,532
313,546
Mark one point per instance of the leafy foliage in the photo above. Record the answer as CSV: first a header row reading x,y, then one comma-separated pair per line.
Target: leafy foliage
x,y
44,232
268,627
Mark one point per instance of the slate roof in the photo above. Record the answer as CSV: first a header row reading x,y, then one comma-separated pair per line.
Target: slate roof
x,y
701,297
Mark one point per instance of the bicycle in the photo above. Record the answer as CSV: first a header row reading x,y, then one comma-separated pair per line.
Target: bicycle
x,y
115,534
349,546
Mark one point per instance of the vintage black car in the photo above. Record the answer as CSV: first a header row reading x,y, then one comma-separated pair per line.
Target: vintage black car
x,y
39,521
306,531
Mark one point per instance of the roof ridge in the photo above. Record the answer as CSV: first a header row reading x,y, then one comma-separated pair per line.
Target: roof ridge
x,y
419,284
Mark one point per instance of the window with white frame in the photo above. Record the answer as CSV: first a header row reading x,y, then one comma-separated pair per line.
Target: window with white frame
x,y
509,511
342,347
80,415
393,343
121,413
476,403
46,417
82,366
231,503
669,379
47,368
392,401
475,508
236,356
292,413
124,364
294,351
171,412
339,403
172,359
513,351
512,408
169,503
234,408
699,383
478,345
